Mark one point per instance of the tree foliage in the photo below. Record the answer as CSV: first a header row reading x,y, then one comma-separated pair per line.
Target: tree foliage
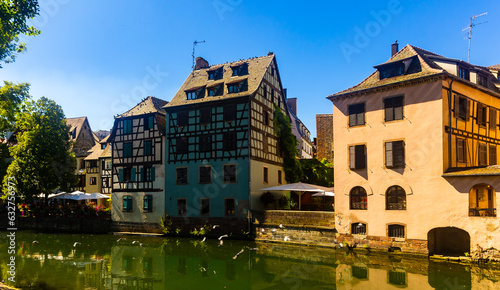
x,y
14,15
317,172
288,145
43,160
11,98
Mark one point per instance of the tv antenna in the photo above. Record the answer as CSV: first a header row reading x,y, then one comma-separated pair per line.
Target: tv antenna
x,y
469,29
194,46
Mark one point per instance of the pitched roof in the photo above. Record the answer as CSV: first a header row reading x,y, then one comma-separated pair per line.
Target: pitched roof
x,y
427,60
75,124
106,152
497,66
257,67
96,151
148,105
491,170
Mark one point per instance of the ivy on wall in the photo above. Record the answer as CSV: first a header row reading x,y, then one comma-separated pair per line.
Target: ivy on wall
x,y
287,145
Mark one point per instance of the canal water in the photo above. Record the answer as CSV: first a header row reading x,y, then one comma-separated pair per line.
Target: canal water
x,y
63,261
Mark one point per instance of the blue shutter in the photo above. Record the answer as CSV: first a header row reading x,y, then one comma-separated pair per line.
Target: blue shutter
x,y
151,122
141,175
132,177
153,173
120,175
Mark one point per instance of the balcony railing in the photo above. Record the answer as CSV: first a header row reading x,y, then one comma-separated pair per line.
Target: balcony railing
x,y
492,212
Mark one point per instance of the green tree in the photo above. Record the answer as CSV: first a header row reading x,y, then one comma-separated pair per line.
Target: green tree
x,y
288,145
43,160
14,15
317,172
11,98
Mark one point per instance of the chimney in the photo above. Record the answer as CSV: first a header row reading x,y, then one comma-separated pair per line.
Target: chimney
x,y
394,48
201,63
292,103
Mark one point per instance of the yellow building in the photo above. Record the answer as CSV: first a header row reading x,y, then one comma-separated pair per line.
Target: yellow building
x,y
416,155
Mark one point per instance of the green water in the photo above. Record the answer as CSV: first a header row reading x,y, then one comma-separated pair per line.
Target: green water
x,y
103,262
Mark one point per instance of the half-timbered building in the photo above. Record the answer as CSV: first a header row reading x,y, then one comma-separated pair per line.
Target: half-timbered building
x,y
137,171
221,148
106,162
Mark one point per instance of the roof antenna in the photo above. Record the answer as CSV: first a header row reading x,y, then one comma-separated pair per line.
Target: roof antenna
x,y
194,46
469,29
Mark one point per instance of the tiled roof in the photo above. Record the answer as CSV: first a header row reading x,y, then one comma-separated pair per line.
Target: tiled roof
x,y
148,105
497,66
482,171
75,124
107,151
96,152
199,78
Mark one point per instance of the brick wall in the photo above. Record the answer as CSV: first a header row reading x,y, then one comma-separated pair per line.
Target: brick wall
x,y
324,137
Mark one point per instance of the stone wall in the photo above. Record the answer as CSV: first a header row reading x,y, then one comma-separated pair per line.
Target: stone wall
x,y
314,219
136,227
49,224
324,137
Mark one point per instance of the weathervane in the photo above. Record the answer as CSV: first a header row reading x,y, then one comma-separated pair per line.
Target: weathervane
x,y
194,46
469,30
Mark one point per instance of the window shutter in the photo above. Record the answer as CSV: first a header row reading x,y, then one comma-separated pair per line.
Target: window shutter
x,y
493,155
141,174
493,119
352,120
360,118
120,175
398,113
388,155
152,173
456,111
467,110
479,114
460,150
360,152
151,122
352,158
389,114
399,153
132,174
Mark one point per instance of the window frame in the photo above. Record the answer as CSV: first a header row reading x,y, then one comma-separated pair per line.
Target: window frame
x,y
394,151
181,170
205,116
394,105
240,70
209,167
230,141
280,177
179,202
148,149
356,229
392,228
231,179
149,207
461,153
181,145
356,198
483,154
355,112
205,143
226,212
128,149
128,126
357,161
492,154
399,195
265,175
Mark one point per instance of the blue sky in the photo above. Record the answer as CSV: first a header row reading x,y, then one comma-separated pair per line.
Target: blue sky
x,y
100,58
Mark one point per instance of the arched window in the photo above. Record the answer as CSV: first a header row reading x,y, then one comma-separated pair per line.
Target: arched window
x,y
358,198
482,201
395,198
358,229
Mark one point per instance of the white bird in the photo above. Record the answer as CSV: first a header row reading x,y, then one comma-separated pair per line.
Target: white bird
x,y
223,236
236,256
221,243
281,226
252,249
263,230
35,242
287,238
141,245
120,239
273,230
204,238
76,244
135,242
215,226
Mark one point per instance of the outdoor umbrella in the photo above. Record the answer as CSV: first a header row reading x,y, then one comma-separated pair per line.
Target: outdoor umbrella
x,y
97,195
324,193
300,188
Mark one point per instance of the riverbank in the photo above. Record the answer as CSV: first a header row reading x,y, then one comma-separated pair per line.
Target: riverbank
x,y
5,287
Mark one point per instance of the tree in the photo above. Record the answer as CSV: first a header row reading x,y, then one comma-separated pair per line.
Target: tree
x,y
11,98
287,144
14,15
43,160
317,172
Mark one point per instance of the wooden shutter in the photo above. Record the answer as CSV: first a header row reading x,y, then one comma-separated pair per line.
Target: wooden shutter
x,y
456,111
151,122
132,174
388,155
399,153
479,114
461,150
493,155
142,176
493,118
152,173
467,110
352,157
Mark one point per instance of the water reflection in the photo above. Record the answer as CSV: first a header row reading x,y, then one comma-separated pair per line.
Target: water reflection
x,y
102,262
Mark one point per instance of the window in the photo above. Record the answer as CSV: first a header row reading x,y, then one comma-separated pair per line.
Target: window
x,y
482,80
229,207
205,143
493,154
463,73
181,207
147,266
481,114
483,154
103,146
215,74
265,175
229,173
103,164
82,163
240,70
205,174
181,144
148,122
127,126
148,203
181,175
272,95
127,203
266,118
280,177
461,150
229,141
395,154
358,198
264,91
396,231
204,206
356,115
195,94
265,143
395,198
462,106
206,116
127,149
93,181
149,173
215,90
230,112
482,201
148,148
358,229
357,157
92,163
237,87
493,119
128,174
182,118
393,108
393,70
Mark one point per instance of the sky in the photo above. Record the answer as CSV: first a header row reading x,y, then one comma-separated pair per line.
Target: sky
x,y
100,58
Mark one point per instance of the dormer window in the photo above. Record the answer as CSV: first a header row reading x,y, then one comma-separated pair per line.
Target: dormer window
x,y
401,67
237,87
215,74
463,73
482,80
394,70
215,90
240,70
195,93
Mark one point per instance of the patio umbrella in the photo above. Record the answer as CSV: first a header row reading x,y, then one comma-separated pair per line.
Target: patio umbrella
x,y
300,188
97,195
324,193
